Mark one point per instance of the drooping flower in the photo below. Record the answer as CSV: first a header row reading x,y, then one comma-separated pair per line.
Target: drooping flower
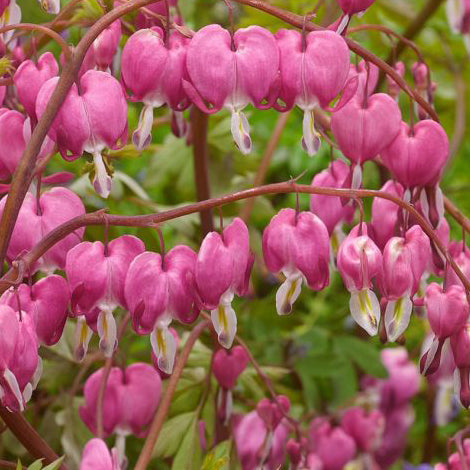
x,y
96,274
404,261
330,208
385,214
368,77
152,71
223,269
365,428
96,456
37,218
460,344
232,72
130,399
392,86
458,16
364,128
29,78
88,121
417,155
45,302
461,255
160,289
296,244
359,261
9,15
352,7
447,311
228,365
314,69
106,45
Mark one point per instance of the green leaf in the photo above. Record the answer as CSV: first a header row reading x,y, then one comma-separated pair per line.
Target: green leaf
x,y
189,453
218,458
19,466
172,435
363,353
36,465
56,464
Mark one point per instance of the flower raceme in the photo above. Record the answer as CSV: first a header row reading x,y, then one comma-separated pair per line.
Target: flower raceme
x,y
158,290
90,120
359,261
96,274
232,72
223,269
153,68
296,244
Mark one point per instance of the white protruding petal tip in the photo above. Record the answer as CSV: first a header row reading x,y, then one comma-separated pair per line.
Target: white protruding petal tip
x,y
287,294
241,132
311,141
102,181
356,182
12,382
344,22
225,324
164,348
142,136
397,317
83,334
431,353
365,309
107,332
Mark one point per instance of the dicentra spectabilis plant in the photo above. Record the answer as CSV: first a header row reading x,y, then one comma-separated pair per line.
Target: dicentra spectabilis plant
x,y
175,374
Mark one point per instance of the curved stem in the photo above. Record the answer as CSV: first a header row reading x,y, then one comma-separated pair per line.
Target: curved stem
x,y
99,218
157,423
42,29
25,169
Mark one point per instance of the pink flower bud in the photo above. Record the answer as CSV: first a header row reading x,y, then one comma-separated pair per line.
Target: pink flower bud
x,y
255,444
106,44
232,73
365,428
96,456
313,70
272,412
447,312
228,365
460,344
417,157
384,218
152,71
89,121
329,208
359,261
35,221
331,444
223,269
121,415
29,78
461,256
350,7
404,262
296,244
363,129
96,292
365,85
159,289
145,20
45,302
393,87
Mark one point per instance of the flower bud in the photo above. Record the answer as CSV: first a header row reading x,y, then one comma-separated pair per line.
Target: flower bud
x,y
96,456
106,44
365,428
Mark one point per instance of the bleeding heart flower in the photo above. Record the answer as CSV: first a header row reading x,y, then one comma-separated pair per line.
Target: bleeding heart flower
x,y
96,274
29,78
364,128
96,456
153,70
10,15
447,312
461,255
46,302
392,86
384,220
223,269
88,121
329,208
368,77
37,218
314,69
351,7
417,156
233,72
106,45
228,365
359,261
460,344
296,244
365,428
458,16
404,261
130,399
160,289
